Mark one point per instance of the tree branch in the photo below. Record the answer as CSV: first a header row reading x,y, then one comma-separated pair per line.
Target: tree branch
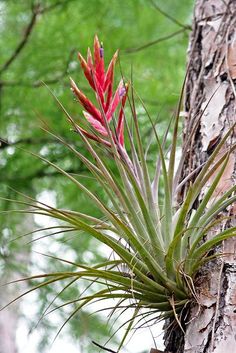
x,y
36,10
40,83
53,6
156,41
42,173
28,141
24,40
174,20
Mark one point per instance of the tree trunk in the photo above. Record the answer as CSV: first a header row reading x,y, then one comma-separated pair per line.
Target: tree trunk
x,y
210,99
9,317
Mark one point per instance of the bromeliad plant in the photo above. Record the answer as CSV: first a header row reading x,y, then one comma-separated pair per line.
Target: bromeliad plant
x,y
158,246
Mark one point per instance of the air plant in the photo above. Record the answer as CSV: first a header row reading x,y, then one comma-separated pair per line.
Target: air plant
x,y
158,244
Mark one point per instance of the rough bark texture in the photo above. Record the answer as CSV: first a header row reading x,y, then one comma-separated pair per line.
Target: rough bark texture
x,y
211,86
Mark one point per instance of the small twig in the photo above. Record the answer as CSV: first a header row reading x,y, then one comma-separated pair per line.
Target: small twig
x,y
174,20
102,347
156,41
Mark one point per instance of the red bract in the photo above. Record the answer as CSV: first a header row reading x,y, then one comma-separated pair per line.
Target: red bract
x,y
108,102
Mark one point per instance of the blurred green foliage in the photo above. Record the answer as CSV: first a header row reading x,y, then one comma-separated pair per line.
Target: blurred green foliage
x,y
49,55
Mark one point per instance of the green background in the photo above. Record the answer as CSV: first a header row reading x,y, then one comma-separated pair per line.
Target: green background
x,y
150,42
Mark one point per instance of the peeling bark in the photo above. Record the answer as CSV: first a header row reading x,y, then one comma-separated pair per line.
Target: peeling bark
x,y
211,86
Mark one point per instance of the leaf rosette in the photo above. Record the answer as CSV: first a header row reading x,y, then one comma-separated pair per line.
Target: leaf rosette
x,y
158,245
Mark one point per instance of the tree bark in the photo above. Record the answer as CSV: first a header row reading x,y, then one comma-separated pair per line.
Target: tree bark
x,y
210,101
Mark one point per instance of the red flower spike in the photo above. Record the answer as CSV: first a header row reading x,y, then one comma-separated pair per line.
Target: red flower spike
x,y
99,90
120,92
102,84
87,70
109,98
109,78
99,61
86,102
110,71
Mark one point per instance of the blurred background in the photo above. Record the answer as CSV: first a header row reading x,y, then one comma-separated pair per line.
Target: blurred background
x,y
39,43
